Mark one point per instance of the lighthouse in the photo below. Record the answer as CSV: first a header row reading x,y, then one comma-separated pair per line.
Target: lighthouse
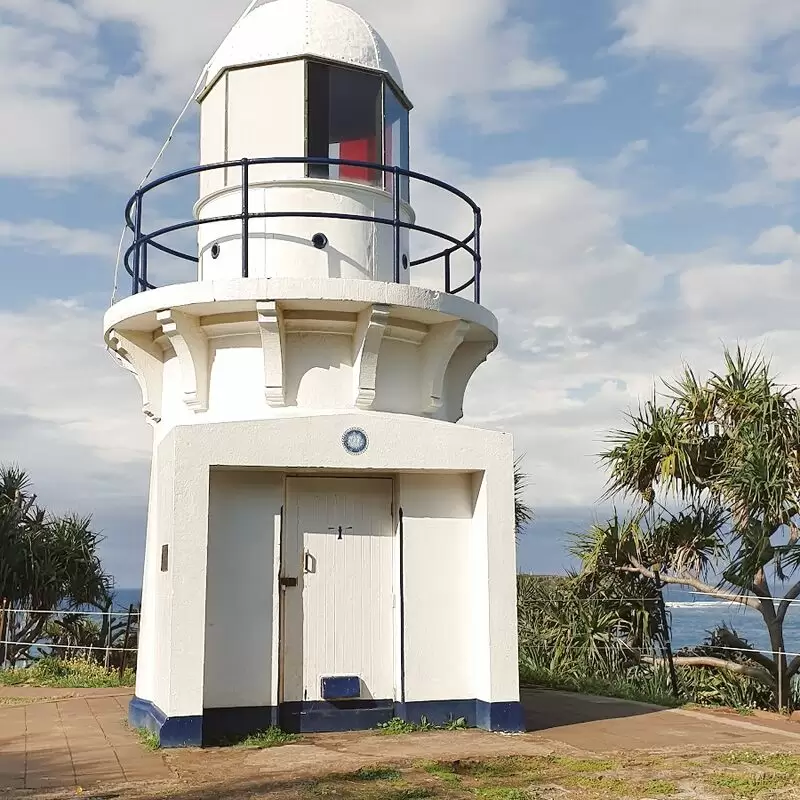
x,y
327,548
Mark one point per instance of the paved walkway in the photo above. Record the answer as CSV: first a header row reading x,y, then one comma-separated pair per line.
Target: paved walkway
x,y
63,739
58,738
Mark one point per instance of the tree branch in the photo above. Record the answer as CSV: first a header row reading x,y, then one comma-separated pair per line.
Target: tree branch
x,y
786,603
756,673
695,583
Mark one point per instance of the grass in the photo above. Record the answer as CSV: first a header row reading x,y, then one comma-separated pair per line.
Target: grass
x,y
75,673
375,774
747,786
271,737
660,788
501,793
780,762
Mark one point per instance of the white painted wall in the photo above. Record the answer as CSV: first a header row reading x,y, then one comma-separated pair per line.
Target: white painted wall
x,y
281,246
319,372
439,588
213,137
241,606
266,117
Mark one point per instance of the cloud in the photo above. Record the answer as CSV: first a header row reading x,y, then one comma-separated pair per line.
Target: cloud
x,y
780,240
588,91
748,50
46,236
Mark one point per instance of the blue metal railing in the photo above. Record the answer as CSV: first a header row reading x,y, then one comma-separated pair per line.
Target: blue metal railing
x,y
136,256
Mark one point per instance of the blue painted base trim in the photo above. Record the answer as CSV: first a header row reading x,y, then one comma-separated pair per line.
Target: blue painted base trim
x,y
171,731
505,717
501,717
337,716
224,725
230,725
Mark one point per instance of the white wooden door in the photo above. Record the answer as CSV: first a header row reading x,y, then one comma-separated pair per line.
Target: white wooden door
x,y
338,619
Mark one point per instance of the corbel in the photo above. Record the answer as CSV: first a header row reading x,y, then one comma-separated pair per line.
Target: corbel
x,y
273,345
140,355
436,351
191,347
369,333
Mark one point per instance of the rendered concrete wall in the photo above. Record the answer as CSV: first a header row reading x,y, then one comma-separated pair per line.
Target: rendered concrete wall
x,y
438,588
241,608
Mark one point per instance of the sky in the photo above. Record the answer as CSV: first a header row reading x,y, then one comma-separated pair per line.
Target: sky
x,y
637,162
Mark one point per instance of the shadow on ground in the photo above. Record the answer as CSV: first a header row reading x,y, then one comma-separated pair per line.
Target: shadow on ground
x,y
546,710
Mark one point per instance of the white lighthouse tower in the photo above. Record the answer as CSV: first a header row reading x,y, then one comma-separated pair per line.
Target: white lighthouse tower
x,y
326,548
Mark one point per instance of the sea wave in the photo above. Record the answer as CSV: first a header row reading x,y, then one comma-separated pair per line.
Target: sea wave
x,y
701,604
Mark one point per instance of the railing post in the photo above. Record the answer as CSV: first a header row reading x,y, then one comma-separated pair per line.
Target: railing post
x,y
396,224
478,258
137,234
144,267
245,218
447,284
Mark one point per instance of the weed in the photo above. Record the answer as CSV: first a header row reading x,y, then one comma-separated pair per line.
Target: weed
x,y
660,788
271,737
375,774
747,786
398,726
149,739
439,769
459,724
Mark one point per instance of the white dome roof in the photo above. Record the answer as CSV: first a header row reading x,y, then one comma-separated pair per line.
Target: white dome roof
x,y
280,29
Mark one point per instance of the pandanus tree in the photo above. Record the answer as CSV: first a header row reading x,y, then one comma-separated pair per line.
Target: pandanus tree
x,y
523,513
47,562
713,468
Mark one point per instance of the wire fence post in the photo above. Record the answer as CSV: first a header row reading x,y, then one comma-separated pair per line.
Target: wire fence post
x,y
667,634
779,661
6,629
125,643
245,218
108,643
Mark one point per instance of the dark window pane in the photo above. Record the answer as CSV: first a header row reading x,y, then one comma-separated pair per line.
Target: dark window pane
x,y
317,117
396,139
344,121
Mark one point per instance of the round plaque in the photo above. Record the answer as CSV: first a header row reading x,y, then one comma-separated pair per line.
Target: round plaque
x,y
355,441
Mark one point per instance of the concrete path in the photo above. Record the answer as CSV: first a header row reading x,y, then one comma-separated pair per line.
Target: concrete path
x,y
58,738
606,725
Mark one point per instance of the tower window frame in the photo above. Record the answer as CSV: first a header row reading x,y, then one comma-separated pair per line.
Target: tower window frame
x,y
355,114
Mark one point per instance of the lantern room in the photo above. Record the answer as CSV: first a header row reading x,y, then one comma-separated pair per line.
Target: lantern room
x,y
322,104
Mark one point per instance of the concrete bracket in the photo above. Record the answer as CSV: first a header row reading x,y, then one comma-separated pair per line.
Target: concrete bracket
x,y
273,344
436,352
140,355
191,347
369,333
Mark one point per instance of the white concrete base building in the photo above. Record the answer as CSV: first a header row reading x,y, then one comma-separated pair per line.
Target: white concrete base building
x,y
326,548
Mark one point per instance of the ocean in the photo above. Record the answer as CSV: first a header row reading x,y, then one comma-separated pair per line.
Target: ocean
x,y
692,616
